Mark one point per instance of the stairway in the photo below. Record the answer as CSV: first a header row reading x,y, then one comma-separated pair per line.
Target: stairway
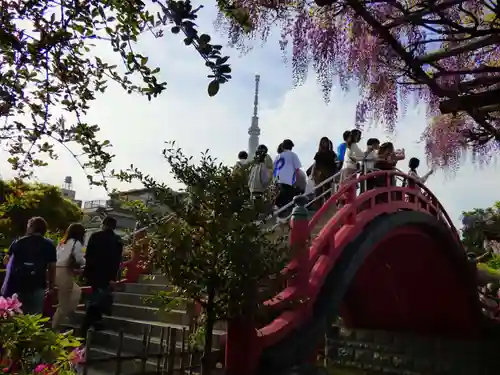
x,y
133,315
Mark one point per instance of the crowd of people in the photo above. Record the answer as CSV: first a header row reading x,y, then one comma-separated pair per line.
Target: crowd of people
x,y
287,175
36,267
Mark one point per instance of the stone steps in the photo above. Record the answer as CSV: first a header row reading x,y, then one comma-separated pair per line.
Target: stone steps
x,y
138,299
131,367
134,343
133,329
143,288
134,314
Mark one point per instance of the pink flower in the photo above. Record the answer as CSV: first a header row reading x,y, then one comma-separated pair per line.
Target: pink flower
x,y
42,368
10,306
77,356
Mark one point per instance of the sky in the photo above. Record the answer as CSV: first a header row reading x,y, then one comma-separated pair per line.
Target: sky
x,y
185,113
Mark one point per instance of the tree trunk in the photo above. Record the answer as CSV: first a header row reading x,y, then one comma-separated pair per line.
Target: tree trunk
x,y
207,362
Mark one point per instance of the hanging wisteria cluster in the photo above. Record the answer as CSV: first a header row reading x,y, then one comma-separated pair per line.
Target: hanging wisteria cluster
x,y
444,53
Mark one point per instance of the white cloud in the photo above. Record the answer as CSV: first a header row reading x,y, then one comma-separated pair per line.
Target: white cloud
x,y
137,128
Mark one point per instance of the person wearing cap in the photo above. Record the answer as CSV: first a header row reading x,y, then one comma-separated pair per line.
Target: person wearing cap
x,y
286,167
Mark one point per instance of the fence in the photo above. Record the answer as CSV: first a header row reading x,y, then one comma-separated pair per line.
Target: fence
x,y
171,357
396,353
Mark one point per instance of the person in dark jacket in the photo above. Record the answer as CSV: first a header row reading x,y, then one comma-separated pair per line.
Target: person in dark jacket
x,y
102,263
31,261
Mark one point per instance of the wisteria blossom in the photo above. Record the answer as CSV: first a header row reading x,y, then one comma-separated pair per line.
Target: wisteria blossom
x,y
395,53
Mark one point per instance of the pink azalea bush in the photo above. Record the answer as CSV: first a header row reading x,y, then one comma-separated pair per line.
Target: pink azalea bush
x,y
28,347
9,306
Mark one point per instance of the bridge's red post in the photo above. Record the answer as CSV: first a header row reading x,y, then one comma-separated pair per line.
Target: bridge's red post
x,y
299,242
242,347
350,197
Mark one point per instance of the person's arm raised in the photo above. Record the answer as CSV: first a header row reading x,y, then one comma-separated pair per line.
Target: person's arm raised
x,y
426,176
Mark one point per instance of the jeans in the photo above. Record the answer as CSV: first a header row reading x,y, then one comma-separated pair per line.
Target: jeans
x,y
32,302
286,193
100,303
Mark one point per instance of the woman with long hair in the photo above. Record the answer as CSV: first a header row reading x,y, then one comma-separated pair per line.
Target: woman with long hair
x,y
353,155
69,257
325,166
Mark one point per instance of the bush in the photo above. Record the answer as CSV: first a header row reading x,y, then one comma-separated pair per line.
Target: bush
x,y
494,262
27,347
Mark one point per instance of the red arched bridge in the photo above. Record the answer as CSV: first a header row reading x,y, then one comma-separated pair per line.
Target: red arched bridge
x,y
390,258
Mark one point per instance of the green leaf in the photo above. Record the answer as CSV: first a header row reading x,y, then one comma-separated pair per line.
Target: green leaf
x,y
213,88
204,39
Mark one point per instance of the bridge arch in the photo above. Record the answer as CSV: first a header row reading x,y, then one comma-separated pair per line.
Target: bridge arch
x,y
436,296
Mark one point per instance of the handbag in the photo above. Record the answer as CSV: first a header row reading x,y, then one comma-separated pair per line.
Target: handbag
x,y
310,187
73,264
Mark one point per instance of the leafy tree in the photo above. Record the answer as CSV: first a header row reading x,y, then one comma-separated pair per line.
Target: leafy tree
x,y
442,54
214,252
49,66
19,201
479,225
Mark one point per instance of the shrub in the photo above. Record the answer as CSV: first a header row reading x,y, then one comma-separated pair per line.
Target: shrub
x,y
28,347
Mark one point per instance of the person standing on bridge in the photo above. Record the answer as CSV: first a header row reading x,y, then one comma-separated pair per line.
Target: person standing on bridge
x,y
341,149
353,155
286,167
324,167
242,159
413,164
372,146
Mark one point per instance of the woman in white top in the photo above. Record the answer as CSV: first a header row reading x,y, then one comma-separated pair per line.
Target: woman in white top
x,y
69,257
353,155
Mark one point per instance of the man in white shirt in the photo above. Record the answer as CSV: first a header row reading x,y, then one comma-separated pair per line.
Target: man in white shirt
x,y
286,166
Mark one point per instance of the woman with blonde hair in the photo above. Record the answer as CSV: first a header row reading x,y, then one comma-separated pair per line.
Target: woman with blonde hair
x,y
69,258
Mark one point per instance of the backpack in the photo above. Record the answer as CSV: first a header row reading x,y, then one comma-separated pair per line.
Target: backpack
x,y
27,270
258,180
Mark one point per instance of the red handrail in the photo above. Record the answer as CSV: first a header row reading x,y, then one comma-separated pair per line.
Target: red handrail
x,y
351,184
